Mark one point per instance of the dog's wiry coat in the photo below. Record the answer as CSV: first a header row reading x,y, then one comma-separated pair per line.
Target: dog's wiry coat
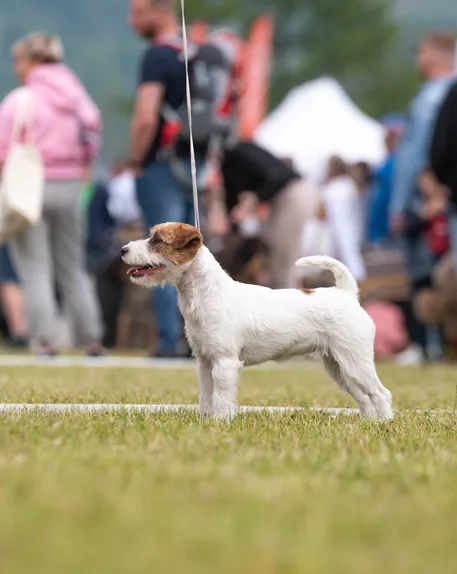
x,y
230,325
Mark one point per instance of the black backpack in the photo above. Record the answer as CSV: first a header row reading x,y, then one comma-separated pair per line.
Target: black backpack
x,y
213,99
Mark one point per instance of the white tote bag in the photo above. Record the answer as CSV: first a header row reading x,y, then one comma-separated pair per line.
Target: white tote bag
x,y
22,183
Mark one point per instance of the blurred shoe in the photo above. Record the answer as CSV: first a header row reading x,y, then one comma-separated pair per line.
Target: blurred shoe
x,y
45,350
435,354
18,343
95,350
171,354
411,356
162,354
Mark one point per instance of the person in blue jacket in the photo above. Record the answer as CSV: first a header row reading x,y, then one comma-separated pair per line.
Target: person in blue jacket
x,y
382,181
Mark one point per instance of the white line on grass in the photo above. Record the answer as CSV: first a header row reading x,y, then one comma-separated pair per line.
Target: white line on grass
x,y
125,362
91,408
69,407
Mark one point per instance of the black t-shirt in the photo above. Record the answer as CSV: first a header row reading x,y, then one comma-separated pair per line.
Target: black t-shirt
x,y
249,167
163,65
443,151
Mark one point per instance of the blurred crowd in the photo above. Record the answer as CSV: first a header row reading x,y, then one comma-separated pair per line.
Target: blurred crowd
x,y
394,225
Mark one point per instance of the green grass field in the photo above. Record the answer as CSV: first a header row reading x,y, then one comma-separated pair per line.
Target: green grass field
x,y
293,493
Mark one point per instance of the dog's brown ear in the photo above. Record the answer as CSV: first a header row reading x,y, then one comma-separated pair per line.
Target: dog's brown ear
x,y
188,237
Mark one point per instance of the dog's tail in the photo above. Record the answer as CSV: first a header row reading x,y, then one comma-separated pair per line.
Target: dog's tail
x,y
344,279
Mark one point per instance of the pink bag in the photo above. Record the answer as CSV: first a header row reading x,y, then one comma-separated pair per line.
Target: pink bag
x,y
391,336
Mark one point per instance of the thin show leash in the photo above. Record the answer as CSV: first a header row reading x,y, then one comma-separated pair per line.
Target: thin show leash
x,y
193,169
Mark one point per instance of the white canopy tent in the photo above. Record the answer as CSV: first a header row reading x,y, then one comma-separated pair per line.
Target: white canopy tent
x,y
317,120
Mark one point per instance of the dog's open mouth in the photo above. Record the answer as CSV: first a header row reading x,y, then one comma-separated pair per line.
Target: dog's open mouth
x,y
143,271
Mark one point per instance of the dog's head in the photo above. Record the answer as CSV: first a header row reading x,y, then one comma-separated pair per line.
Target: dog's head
x,y
164,256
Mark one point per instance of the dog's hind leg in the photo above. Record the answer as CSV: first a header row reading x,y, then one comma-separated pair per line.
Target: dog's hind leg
x,y
345,383
381,398
225,378
206,387
359,372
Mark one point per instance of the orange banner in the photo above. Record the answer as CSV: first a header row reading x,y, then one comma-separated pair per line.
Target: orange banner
x,y
256,75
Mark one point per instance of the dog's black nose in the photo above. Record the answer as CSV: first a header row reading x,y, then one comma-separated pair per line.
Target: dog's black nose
x,y
124,250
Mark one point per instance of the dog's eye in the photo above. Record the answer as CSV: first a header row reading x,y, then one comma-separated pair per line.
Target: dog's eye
x,y
155,240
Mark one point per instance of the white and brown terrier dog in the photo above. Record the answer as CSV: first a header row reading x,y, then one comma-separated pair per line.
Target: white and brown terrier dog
x,y
230,325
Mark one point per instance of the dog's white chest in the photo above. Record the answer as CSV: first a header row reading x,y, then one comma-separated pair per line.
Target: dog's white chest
x,y
201,336
199,326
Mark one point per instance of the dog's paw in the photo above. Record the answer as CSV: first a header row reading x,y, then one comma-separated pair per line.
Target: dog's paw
x,y
226,414
205,407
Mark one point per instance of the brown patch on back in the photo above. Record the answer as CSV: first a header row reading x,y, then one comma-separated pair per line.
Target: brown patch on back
x,y
307,291
177,242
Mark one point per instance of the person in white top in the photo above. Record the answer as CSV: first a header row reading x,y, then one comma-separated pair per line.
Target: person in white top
x,y
122,203
344,206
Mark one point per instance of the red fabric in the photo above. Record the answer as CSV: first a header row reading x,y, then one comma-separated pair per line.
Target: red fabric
x,y
170,132
226,107
437,235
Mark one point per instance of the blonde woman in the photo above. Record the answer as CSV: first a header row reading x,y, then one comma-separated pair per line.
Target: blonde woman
x,y
66,129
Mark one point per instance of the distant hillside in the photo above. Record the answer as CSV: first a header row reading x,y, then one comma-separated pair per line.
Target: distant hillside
x,y
418,16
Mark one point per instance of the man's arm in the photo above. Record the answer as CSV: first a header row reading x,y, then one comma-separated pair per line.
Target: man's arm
x,y
145,120
413,153
407,167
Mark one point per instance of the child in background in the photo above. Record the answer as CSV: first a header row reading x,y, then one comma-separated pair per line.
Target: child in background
x,y
433,212
430,219
12,301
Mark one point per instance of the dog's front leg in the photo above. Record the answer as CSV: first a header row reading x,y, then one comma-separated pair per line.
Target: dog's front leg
x,y
225,379
206,387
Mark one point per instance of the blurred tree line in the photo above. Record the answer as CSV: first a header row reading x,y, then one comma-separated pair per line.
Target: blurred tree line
x,y
366,44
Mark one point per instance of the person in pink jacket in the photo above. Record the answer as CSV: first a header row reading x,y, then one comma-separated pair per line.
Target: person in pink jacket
x,y
67,132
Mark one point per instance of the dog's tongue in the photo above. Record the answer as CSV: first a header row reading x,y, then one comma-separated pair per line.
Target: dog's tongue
x,y
132,270
140,271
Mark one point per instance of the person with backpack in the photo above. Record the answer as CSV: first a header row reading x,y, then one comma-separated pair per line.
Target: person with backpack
x,y
160,132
